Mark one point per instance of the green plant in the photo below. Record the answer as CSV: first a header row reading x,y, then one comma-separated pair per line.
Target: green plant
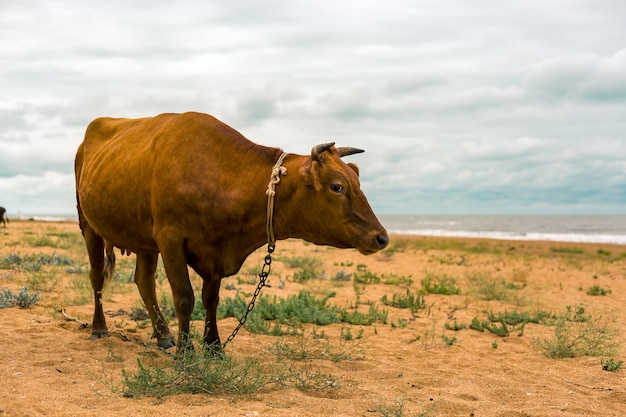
x,y
305,275
253,270
399,280
363,276
303,262
455,326
358,318
311,346
81,269
346,333
248,281
271,313
358,291
309,267
598,290
429,339
499,329
198,313
293,311
195,373
306,378
412,301
611,365
575,314
516,317
595,336
43,280
34,262
41,241
396,409
503,323
568,250
112,356
477,325
489,289
440,285
22,299
342,276
449,341
401,324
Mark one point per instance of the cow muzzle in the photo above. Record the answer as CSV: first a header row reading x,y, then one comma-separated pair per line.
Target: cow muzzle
x,y
375,242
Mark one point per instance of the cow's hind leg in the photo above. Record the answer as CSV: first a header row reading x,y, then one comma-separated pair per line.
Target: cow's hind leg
x,y
102,268
144,278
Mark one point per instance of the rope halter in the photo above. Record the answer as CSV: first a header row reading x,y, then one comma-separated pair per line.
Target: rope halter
x,y
277,171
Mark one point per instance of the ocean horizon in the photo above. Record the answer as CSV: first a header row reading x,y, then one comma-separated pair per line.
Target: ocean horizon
x,y
556,228
610,229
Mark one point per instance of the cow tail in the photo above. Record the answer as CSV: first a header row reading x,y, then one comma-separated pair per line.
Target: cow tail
x,y
109,263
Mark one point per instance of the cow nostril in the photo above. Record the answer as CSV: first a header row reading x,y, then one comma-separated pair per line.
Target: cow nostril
x,y
382,240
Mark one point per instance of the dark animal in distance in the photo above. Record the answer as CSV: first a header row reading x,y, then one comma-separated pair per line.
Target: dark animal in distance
x,y
191,188
3,216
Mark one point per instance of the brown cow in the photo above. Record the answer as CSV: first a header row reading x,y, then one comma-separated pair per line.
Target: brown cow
x,y
3,216
194,189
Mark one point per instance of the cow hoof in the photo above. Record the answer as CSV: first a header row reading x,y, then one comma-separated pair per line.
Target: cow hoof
x,y
166,344
98,334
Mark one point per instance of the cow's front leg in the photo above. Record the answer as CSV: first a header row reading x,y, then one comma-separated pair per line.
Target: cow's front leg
x,y
182,292
210,299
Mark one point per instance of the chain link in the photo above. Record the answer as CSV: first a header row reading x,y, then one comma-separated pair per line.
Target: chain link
x,y
265,271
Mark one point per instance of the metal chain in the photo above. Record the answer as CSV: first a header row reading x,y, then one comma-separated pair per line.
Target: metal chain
x,y
265,271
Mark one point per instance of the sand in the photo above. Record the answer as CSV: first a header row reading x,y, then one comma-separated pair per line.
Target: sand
x,y
50,367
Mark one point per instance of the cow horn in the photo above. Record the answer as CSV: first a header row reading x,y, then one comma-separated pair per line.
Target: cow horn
x,y
345,151
317,150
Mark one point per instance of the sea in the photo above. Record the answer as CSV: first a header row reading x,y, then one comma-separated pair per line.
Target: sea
x,y
557,228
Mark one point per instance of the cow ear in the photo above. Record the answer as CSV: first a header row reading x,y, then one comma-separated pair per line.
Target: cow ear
x,y
310,175
354,167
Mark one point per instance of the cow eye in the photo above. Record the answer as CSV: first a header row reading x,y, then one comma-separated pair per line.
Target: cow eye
x,y
336,188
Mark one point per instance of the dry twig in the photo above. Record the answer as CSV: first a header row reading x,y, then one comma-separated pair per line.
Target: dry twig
x,y
83,325
587,386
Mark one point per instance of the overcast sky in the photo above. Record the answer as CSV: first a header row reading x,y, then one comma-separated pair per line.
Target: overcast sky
x,y
463,107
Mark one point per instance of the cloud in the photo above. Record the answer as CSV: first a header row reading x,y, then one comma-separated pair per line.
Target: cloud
x,y
585,76
460,107
48,193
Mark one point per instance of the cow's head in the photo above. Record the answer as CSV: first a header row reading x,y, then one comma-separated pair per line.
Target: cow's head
x,y
334,210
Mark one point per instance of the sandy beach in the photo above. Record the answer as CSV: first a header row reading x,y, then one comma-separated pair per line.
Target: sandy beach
x,y
423,361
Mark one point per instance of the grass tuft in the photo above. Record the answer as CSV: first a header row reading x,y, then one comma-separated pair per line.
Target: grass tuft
x,y
611,365
271,313
597,290
412,301
444,285
573,337
196,373
22,299
309,267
